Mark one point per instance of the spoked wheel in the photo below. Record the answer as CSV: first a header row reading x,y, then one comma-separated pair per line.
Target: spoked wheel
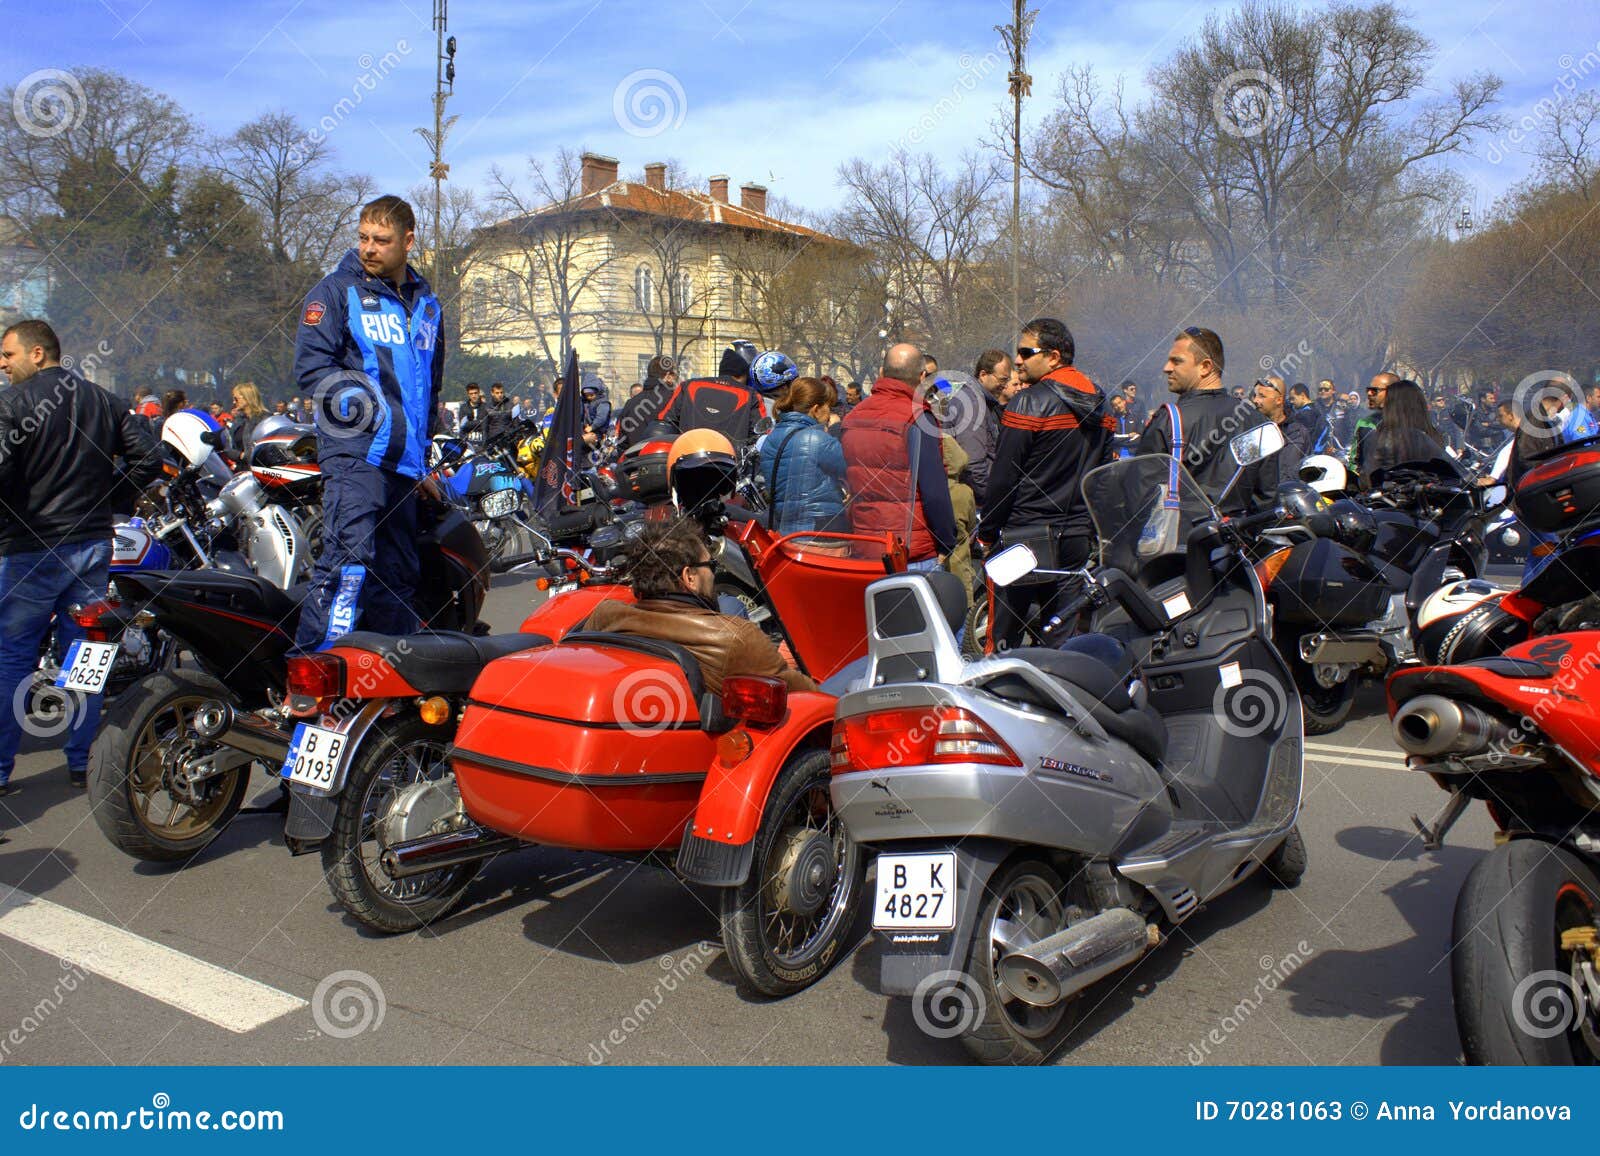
x,y
1024,903
787,923
145,789
400,787
1523,964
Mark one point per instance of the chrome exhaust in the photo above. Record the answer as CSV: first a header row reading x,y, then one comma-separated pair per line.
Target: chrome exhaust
x,y
1434,725
1065,963
451,849
218,722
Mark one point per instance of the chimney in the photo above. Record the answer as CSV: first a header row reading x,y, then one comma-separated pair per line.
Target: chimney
x,y
753,197
655,175
598,172
719,188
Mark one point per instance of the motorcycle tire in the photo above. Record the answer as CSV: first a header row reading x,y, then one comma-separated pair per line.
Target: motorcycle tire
x,y
1325,708
370,896
787,838
126,757
977,627
1514,996
1286,866
993,1033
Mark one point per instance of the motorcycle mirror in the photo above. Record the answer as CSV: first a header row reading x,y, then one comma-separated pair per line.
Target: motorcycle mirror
x,y
1258,442
1010,564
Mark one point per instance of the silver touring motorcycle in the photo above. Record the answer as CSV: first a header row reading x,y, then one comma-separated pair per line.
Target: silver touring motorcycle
x,y
1043,817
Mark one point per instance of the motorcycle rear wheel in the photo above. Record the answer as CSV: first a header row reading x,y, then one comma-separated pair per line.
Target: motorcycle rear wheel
x,y
1517,1001
790,921
1325,707
1023,903
395,754
141,732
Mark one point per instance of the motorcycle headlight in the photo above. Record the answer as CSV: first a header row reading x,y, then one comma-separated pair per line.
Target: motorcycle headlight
x,y
501,503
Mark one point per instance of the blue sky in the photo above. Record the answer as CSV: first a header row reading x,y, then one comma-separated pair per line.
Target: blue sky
x,y
779,93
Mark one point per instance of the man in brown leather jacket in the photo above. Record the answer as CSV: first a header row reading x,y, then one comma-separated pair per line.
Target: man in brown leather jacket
x,y
672,582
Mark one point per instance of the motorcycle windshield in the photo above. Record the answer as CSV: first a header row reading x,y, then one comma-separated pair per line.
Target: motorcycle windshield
x,y
1143,509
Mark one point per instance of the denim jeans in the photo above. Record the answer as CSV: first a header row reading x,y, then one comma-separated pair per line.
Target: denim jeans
x,y
34,588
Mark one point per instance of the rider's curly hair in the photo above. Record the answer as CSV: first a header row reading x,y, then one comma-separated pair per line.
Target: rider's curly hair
x,y
658,556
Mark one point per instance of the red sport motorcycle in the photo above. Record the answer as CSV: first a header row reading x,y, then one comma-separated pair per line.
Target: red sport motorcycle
x,y
1514,726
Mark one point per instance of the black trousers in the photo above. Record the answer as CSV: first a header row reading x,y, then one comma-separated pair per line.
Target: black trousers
x,y
1020,611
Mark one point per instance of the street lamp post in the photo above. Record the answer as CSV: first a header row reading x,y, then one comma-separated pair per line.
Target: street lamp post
x,y
444,84
1015,36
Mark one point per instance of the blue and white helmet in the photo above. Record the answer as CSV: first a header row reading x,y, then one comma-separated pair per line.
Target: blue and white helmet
x,y
773,371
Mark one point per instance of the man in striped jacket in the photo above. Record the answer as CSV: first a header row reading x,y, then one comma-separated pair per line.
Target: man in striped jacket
x,y
1058,428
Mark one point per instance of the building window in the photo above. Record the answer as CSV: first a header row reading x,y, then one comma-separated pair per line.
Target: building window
x,y
478,304
644,289
738,295
681,293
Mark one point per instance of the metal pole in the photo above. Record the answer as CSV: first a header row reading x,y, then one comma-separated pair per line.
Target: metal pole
x,y
440,20
1015,35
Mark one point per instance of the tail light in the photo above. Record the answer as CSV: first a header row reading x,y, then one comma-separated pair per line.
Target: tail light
x,y
917,736
91,617
314,679
755,698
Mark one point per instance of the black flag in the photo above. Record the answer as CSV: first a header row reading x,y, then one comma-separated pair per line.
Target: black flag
x,y
564,451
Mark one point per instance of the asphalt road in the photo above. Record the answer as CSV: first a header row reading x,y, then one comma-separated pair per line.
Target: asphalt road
x,y
568,958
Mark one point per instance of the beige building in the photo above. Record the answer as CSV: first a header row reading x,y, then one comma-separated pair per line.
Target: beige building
x,y
626,271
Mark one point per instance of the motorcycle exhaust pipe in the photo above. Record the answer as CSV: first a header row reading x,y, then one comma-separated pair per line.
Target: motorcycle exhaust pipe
x,y
451,849
218,722
1065,963
1433,725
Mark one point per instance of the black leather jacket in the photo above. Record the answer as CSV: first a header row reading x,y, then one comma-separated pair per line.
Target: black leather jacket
x,y
60,441
1211,419
1051,434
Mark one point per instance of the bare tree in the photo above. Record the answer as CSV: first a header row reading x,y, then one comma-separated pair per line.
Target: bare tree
x,y
674,248
1567,146
542,272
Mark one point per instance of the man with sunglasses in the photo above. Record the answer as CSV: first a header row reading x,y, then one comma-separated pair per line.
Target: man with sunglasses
x,y
1055,430
675,601
1207,419
1377,394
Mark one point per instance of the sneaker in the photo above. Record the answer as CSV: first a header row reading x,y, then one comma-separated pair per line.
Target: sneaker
x,y
9,788
79,778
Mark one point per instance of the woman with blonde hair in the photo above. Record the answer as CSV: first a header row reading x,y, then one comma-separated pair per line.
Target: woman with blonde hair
x,y
247,411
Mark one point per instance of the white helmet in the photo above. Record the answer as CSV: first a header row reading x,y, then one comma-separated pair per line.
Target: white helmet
x,y
1324,473
184,431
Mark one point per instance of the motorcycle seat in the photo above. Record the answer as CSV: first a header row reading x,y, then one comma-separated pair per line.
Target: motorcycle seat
x,y
441,661
1103,689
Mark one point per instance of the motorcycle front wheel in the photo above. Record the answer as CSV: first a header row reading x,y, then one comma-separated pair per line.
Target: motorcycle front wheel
x,y
395,756
1325,707
1523,957
135,795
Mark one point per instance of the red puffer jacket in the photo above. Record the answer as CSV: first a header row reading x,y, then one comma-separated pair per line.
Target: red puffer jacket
x,y
878,469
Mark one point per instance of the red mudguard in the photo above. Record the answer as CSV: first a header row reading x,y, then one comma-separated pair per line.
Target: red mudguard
x,y
733,798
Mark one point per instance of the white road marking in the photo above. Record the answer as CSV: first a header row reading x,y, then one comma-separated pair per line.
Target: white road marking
x,y
1332,753
192,985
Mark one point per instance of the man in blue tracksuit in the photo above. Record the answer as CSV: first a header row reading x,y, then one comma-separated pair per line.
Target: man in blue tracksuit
x,y
370,355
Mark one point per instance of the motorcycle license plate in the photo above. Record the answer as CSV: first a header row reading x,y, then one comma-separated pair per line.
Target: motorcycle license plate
x,y
314,755
87,666
916,893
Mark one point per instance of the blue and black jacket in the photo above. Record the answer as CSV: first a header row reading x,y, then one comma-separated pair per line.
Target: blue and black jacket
x,y
370,356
